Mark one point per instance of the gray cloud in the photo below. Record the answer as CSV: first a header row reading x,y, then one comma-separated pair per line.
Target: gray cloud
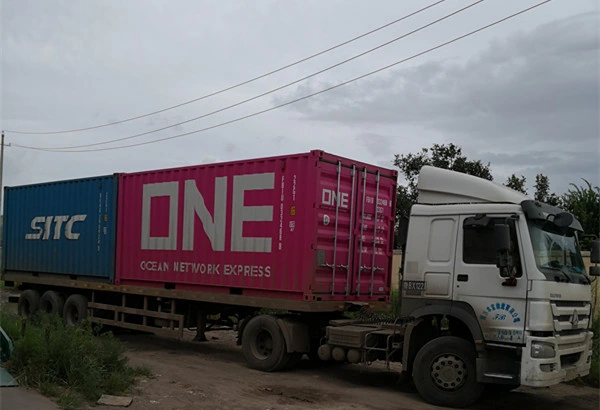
x,y
530,95
533,96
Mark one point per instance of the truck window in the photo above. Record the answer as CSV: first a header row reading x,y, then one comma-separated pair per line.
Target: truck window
x,y
479,247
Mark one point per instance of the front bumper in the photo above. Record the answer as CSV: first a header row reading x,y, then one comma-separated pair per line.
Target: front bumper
x,y
573,359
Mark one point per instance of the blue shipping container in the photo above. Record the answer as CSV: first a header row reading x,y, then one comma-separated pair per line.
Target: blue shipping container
x,y
65,227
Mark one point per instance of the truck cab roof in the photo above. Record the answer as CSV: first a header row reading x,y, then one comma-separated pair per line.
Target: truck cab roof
x,y
442,186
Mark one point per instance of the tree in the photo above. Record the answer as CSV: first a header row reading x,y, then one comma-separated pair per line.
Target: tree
x,y
542,191
516,183
439,155
584,203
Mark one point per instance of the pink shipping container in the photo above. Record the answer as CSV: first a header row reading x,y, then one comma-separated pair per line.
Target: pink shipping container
x,y
311,227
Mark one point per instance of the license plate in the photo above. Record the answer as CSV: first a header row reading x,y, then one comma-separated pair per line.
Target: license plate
x,y
571,374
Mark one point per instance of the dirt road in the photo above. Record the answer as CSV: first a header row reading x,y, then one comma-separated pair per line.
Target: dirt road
x,y
213,375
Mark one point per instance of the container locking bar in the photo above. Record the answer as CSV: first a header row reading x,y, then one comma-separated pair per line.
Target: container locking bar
x,y
373,269
335,229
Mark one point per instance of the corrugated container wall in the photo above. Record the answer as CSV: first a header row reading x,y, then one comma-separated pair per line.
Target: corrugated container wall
x,y
65,227
306,227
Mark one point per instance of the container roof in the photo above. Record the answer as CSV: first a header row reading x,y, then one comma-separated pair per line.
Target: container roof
x,y
441,186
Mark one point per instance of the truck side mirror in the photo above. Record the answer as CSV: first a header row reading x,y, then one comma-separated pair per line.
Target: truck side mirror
x,y
563,219
595,251
504,259
502,237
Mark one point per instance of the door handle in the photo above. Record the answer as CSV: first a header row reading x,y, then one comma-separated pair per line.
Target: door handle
x,y
462,278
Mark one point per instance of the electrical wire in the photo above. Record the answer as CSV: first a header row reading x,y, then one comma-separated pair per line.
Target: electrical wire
x,y
270,91
233,86
304,97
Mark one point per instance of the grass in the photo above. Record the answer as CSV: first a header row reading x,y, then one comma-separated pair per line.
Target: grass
x,y
71,364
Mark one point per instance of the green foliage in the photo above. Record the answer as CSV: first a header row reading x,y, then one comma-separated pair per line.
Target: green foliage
x,y
516,183
542,191
439,155
593,379
584,202
72,364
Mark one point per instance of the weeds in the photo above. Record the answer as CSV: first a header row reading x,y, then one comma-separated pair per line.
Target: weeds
x,y
593,379
71,364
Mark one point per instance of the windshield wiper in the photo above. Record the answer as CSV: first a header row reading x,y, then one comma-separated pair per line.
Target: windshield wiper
x,y
557,269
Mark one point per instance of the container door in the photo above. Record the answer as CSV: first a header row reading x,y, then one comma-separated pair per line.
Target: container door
x,y
336,227
372,233
354,235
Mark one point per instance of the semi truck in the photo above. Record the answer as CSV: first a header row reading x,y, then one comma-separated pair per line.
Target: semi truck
x,y
295,254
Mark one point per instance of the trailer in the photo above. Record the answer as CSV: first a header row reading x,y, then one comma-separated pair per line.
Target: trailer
x,y
311,237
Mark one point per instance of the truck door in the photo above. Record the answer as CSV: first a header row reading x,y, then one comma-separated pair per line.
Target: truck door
x,y
500,309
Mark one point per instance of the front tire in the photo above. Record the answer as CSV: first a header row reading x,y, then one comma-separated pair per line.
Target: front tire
x,y
263,344
444,372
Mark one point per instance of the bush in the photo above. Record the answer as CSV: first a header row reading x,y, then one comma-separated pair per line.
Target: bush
x,y
593,379
72,364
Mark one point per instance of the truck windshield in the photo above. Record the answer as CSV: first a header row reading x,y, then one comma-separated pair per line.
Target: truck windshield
x,y
557,253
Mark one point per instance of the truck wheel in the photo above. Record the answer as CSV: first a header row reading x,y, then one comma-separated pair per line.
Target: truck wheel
x,y
263,344
52,302
29,303
75,310
444,372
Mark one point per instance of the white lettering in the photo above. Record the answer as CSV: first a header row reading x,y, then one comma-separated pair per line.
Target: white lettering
x,y
168,189
34,227
194,204
69,228
214,225
329,198
58,221
241,213
44,232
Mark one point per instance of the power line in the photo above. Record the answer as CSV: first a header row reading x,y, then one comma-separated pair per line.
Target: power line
x,y
270,91
233,86
306,96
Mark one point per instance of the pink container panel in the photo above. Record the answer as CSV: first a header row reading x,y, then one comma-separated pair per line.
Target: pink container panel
x,y
239,225
354,253
267,227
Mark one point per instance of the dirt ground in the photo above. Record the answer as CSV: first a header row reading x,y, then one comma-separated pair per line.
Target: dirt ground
x,y
213,375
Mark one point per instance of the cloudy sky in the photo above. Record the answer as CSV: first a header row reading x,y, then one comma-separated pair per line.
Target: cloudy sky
x,y
523,95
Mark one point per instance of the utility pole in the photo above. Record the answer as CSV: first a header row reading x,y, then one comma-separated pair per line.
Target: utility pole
x,y
1,173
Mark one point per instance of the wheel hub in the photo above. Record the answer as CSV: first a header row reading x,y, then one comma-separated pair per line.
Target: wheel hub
x,y
449,372
263,346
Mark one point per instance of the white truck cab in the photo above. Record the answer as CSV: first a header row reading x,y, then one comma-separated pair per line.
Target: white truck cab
x,y
503,272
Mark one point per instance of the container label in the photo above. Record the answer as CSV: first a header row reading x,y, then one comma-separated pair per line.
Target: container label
x,y
214,225
257,271
45,226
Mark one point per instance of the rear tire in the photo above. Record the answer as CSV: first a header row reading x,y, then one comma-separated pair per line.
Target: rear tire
x,y
75,310
52,302
263,344
444,372
29,303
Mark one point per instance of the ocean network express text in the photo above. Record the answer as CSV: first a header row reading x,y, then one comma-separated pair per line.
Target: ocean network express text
x,y
256,271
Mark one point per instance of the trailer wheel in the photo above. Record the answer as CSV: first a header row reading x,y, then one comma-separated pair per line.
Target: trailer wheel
x,y
29,303
444,372
52,302
263,344
75,310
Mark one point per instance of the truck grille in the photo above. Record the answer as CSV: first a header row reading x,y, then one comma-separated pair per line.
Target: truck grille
x,y
569,360
570,317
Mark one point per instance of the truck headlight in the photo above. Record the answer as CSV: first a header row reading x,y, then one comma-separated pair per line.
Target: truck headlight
x,y
541,350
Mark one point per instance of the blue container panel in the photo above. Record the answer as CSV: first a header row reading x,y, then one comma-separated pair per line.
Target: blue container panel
x,y
65,227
